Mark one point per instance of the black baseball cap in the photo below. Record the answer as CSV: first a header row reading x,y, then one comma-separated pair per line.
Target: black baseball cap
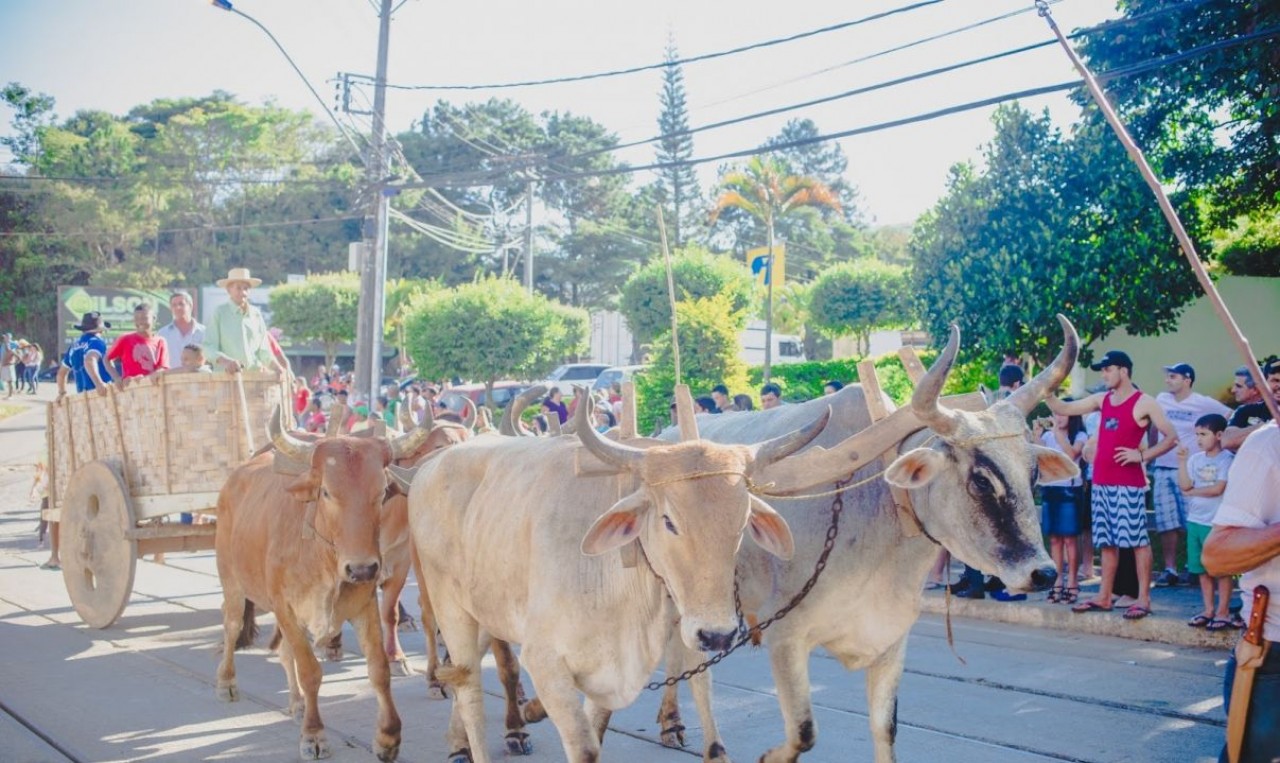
x,y
1183,369
1113,358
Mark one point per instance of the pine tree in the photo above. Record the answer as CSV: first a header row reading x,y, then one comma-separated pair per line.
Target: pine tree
x,y
679,185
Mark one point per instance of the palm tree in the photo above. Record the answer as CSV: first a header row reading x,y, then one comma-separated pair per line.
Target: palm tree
x,y
766,190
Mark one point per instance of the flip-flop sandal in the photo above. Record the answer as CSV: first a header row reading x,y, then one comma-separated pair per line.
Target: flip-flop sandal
x,y
1136,612
1217,625
50,566
1201,621
1089,606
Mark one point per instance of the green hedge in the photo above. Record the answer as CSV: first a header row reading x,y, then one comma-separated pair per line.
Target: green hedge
x,y
804,381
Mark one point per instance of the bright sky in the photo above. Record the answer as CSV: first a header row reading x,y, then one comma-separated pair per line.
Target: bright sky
x,y
115,54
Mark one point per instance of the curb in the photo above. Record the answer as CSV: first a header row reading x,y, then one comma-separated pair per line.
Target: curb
x,y
1041,614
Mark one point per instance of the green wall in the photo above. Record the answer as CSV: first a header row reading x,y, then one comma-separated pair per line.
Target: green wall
x,y
1202,340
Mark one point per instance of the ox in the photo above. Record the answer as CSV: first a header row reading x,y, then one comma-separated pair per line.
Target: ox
x,y
306,547
513,548
969,477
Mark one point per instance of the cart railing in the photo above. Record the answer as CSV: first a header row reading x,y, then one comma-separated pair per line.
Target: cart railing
x,y
174,438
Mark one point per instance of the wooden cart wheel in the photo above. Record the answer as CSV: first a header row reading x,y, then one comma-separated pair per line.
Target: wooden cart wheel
x,y
98,555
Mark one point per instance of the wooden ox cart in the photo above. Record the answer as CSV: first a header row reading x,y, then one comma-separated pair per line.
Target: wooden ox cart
x,y
121,464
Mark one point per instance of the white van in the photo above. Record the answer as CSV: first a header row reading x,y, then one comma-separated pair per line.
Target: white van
x,y
787,348
615,374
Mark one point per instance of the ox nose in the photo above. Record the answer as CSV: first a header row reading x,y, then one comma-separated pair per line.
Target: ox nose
x,y
712,641
1043,578
362,573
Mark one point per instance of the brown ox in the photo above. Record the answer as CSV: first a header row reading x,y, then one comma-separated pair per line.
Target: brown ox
x,y
307,548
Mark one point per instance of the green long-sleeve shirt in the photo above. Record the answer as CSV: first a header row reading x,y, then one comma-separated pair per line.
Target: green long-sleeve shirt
x,y
240,335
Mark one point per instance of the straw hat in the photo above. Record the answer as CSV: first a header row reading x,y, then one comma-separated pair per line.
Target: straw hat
x,y
239,274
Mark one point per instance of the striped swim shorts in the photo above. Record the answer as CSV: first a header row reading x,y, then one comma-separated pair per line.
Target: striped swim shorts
x,y
1120,516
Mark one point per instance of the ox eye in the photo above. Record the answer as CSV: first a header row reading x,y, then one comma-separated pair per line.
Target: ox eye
x,y
982,483
671,527
324,491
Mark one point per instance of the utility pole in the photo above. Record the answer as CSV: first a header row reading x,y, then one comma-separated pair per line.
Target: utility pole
x,y
373,270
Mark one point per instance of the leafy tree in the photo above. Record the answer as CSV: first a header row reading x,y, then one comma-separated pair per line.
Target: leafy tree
x,y
709,356
491,329
858,297
767,190
678,185
1206,122
323,308
697,274
1251,247
1051,225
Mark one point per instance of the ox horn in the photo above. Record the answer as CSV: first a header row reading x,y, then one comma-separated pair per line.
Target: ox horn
x,y
1030,394
405,416
514,408
615,453
290,446
924,401
779,448
485,421
406,444
468,413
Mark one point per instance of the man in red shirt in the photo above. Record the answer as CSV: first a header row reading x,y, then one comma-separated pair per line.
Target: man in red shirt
x,y
1119,475
143,352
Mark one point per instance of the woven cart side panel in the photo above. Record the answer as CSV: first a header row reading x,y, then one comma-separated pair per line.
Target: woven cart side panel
x,y
81,435
262,393
141,409
201,432
64,458
106,435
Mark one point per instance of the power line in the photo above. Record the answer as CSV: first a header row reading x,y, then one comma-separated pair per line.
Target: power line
x,y
678,62
198,228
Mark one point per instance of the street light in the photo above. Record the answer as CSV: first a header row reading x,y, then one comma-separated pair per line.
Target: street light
x,y
373,272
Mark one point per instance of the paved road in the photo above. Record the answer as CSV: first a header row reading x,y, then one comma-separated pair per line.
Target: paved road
x,y
143,689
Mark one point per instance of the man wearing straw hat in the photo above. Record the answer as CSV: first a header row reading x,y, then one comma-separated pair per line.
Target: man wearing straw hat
x,y
236,337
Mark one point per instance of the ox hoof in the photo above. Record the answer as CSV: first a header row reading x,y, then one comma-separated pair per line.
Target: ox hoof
x,y
229,692
519,743
460,756
333,654
533,711
314,747
435,690
400,667
715,754
387,751
673,736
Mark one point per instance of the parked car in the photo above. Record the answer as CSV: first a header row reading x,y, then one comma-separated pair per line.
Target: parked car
x,y
503,392
569,374
615,374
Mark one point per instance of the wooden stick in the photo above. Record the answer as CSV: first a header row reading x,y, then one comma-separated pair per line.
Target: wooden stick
x,y
671,293
1171,215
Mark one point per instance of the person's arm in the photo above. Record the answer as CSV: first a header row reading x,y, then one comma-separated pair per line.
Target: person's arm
x,y
1147,408
1090,449
1184,478
1208,491
213,344
63,372
1071,449
1234,550
1234,437
1075,407
100,385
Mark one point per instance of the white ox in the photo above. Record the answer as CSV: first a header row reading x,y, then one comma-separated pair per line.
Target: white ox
x,y
515,547
969,478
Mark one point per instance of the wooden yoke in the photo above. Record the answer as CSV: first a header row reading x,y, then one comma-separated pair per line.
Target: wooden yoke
x,y
876,407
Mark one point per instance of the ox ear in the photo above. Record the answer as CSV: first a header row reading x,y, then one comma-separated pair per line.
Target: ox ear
x,y
770,531
1054,465
915,468
401,477
304,488
616,527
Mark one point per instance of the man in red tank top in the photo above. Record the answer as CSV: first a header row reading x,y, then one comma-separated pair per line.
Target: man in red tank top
x,y
1119,476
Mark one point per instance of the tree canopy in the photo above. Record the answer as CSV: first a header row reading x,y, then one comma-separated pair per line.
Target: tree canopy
x,y
322,308
491,329
697,274
860,296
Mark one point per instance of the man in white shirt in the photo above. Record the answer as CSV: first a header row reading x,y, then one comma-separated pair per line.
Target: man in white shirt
x,y
1246,539
1183,408
184,329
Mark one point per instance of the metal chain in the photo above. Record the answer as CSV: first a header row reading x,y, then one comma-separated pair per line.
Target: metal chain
x,y
744,634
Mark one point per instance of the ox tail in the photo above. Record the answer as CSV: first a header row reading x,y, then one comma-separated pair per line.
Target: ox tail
x,y
453,675
249,628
